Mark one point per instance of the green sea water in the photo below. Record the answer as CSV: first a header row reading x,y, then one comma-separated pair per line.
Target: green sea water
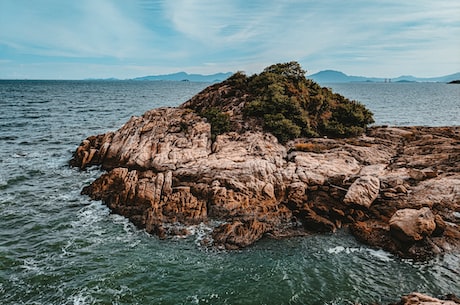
x,y
58,247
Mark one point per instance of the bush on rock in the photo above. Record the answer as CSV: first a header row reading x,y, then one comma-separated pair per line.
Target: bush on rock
x,y
282,101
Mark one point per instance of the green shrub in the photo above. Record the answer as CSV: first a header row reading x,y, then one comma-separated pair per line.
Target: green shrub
x,y
220,122
281,101
348,119
302,107
282,128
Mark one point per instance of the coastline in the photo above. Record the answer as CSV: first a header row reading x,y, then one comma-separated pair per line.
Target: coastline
x,y
393,188
69,239
259,187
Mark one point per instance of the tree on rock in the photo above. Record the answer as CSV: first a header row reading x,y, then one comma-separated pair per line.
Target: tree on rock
x,y
281,100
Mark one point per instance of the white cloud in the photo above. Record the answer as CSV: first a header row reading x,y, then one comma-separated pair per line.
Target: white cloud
x,y
220,23
76,29
152,36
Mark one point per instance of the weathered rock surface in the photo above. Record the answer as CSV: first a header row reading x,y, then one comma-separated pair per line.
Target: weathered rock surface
x,y
363,191
411,225
416,298
169,168
165,172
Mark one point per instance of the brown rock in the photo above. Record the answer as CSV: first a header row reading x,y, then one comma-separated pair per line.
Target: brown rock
x,y
416,298
312,221
165,172
401,189
410,225
238,234
363,191
417,174
441,226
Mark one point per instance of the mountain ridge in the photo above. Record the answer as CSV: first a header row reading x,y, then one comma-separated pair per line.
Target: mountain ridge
x,y
324,76
333,76
184,76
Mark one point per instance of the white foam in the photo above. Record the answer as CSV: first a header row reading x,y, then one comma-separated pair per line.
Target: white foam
x,y
340,249
91,214
131,233
381,255
31,265
336,250
82,298
201,232
7,198
3,181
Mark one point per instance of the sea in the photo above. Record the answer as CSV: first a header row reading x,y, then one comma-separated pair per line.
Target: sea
x,y
59,247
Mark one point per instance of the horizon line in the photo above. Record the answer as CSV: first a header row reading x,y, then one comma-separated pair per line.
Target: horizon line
x,y
137,78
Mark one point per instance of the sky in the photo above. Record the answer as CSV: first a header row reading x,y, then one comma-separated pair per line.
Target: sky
x,y
69,39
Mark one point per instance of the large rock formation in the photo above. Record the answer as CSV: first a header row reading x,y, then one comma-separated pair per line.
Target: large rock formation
x,y
167,170
164,173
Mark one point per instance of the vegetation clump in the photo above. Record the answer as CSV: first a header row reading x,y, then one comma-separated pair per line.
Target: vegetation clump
x,y
220,121
281,100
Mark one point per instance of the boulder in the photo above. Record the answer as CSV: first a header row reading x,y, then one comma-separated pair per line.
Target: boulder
x,y
363,191
410,225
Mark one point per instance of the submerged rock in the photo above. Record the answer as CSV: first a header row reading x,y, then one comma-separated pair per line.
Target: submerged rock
x,y
166,169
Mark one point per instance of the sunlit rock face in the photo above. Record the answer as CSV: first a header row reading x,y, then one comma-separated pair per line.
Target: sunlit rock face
x,y
164,172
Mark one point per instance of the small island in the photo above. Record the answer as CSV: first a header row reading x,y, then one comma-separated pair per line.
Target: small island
x,y
276,155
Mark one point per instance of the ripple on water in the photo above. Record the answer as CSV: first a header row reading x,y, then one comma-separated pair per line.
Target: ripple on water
x,y
58,247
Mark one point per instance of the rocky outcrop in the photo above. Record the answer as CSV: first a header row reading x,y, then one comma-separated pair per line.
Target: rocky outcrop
x,y
396,188
217,159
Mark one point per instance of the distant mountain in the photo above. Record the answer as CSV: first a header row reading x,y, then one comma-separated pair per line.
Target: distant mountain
x,y
102,79
440,79
183,76
331,76
326,76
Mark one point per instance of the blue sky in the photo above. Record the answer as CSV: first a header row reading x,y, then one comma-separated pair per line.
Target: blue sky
x,y
68,39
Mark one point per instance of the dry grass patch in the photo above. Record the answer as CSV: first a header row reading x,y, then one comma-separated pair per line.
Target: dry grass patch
x,y
310,147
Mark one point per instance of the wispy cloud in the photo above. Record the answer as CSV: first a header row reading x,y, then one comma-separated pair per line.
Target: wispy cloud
x,y
358,37
70,29
215,23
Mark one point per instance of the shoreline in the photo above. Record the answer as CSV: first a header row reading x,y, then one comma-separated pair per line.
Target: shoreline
x,y
193,179
239,157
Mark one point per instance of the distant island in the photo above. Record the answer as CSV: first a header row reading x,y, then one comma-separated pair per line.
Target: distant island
x,y
331,76
322,77
326,76
183,76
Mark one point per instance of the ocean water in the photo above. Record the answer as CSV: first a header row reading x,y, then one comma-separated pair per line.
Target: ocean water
x,y
58,247
421,104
